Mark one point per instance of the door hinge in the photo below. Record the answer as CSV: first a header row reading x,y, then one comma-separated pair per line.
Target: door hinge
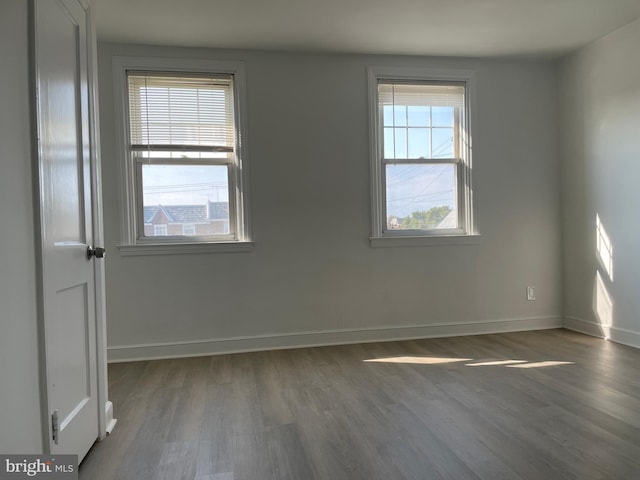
x,y
55,427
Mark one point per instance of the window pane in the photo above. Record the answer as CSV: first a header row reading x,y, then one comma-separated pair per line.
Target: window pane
x,y
418,143
400,115
442,139
191,196
387,115
388,143
401,143
418,116
421,197
442,116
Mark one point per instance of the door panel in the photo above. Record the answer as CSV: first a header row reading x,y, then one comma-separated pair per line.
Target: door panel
x,y
73,374
65,204
63,142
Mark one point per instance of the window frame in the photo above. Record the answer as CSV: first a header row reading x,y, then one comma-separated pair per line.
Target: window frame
x,y
467,232
132,239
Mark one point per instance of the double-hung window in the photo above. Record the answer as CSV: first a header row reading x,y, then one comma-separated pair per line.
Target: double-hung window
x,y
184,158
421,175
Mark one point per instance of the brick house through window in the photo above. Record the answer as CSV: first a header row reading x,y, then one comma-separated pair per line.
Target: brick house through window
x,y
211,218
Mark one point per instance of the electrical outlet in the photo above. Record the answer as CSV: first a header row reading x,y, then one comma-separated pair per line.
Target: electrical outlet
x,y
531,292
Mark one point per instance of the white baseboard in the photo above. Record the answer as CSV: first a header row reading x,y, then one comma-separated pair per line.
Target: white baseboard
x,y
618,335
196,348
583,326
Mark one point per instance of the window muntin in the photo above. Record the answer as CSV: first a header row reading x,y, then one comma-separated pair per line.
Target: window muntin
x,y
184,157
421,160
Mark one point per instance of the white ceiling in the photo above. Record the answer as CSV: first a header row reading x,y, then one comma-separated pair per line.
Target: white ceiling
x,y
547,28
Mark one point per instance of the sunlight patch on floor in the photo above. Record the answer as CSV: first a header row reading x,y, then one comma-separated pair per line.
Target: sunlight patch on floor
x,y
494,363
419,360
548,363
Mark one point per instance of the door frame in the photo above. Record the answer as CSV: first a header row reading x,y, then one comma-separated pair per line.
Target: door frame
x,y
105,419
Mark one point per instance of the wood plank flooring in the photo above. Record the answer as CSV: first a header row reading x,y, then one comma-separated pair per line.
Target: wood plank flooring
x,y
484,407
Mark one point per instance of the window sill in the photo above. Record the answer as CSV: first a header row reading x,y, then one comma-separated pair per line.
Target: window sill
x,y
184,248
411,241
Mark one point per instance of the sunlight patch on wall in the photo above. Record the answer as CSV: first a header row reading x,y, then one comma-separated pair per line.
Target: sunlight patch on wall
x,y
604,306
604,248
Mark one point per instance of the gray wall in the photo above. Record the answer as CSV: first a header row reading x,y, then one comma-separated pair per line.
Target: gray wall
x,y
600,105
312,269
19,392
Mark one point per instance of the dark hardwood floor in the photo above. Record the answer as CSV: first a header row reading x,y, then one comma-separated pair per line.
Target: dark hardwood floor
x,y
430,410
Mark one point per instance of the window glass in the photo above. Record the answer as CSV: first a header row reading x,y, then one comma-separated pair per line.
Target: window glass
x,y
186,195
421,197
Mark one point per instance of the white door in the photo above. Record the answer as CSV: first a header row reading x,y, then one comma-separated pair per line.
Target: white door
x,y
66,225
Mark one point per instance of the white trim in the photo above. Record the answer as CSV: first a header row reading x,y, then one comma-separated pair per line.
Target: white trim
x,y
468,223
121,64
38,228
625,337
216,346
106,421
375,166
432,241
583,326
183,248
618,335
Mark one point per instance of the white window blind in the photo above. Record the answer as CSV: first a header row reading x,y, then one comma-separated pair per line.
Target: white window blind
x,y
173,113
432,95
